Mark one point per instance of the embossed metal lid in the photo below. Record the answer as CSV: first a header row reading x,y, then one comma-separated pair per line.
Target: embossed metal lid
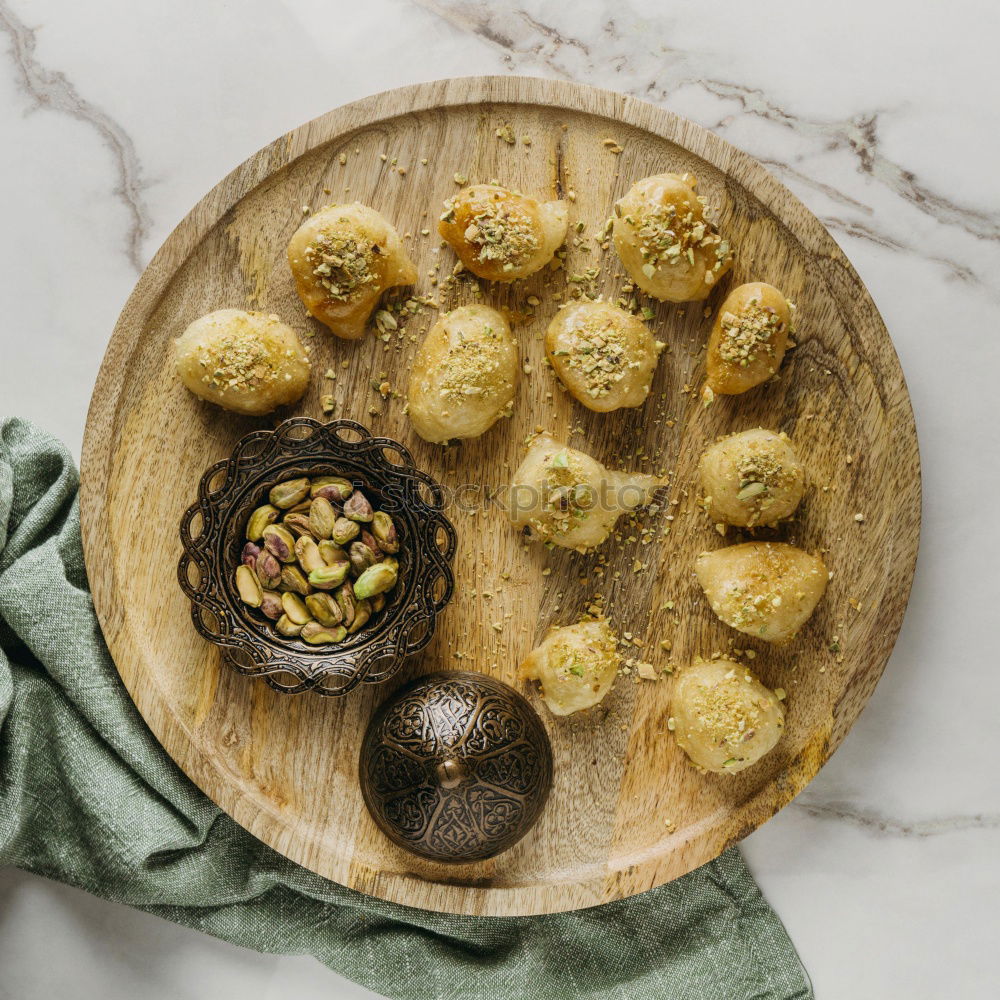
x,y
456,767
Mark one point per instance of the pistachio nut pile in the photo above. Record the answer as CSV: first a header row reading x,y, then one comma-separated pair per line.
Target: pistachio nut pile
x,y
318,560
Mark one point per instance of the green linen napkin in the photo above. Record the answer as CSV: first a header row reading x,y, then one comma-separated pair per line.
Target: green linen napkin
x,y
88,797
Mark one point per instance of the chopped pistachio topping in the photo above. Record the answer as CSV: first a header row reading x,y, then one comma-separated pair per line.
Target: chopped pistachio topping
x,y
759,474
729,712
598,351
753,608
342,262
239,360
501,232
670,234
587,660
470,367
746,336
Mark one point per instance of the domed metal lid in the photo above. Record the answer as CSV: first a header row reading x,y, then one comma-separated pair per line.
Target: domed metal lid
x,y
456,767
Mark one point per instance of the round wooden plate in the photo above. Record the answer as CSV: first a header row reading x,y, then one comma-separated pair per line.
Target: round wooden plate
x,y
627,811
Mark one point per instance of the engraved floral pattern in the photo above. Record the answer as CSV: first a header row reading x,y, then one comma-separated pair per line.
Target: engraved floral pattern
x,y
482,727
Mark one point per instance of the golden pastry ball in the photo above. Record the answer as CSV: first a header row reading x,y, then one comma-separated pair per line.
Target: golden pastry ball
x,y
748,338
725,720
670,250
575,666
501,235
751,478
604,356
765,589
566,497
342,259
464,375
248,362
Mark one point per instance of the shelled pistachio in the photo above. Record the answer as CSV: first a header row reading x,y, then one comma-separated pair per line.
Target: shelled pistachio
x,y
361,557
292,578
385,532
271,605
335,489
322,517
248,586
259,520
362,612
357,507
298,523
268,570
279,542
331,552
307,552
377,579
289,493
345,530
285,626
316,634
328,577
324,609
344,596
295,608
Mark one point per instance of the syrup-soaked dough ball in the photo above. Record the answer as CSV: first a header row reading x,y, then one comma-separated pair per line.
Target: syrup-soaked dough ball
x,y
342,259
501,235
575,666
464,375
249,362
724,718
603,355
667,246
751,478
765,589
570,499
748,338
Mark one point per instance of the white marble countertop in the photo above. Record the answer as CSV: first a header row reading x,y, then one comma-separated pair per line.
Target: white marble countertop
x,y
117,116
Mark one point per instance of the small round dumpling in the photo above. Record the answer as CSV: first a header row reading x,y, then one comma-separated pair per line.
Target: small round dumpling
x,y
464,375
765,589
575,665
501,235
568,498
249,362
603,355
724,718
751,478
342,259
748,338
668,248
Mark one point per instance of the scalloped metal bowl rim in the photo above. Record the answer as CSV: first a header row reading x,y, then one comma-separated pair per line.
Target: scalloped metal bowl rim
x,y
214,596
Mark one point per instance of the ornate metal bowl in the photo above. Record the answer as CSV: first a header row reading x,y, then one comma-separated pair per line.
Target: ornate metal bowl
x,y
456,767
212,533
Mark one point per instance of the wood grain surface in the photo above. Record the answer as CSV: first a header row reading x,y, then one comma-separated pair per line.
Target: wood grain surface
x,y
627,811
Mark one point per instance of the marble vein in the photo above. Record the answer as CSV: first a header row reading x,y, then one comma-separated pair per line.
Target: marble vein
x,y
859,134
52,90
522,37
868,231
882,825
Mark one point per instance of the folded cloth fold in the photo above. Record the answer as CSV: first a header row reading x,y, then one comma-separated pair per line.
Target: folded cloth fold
x,y
88,797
